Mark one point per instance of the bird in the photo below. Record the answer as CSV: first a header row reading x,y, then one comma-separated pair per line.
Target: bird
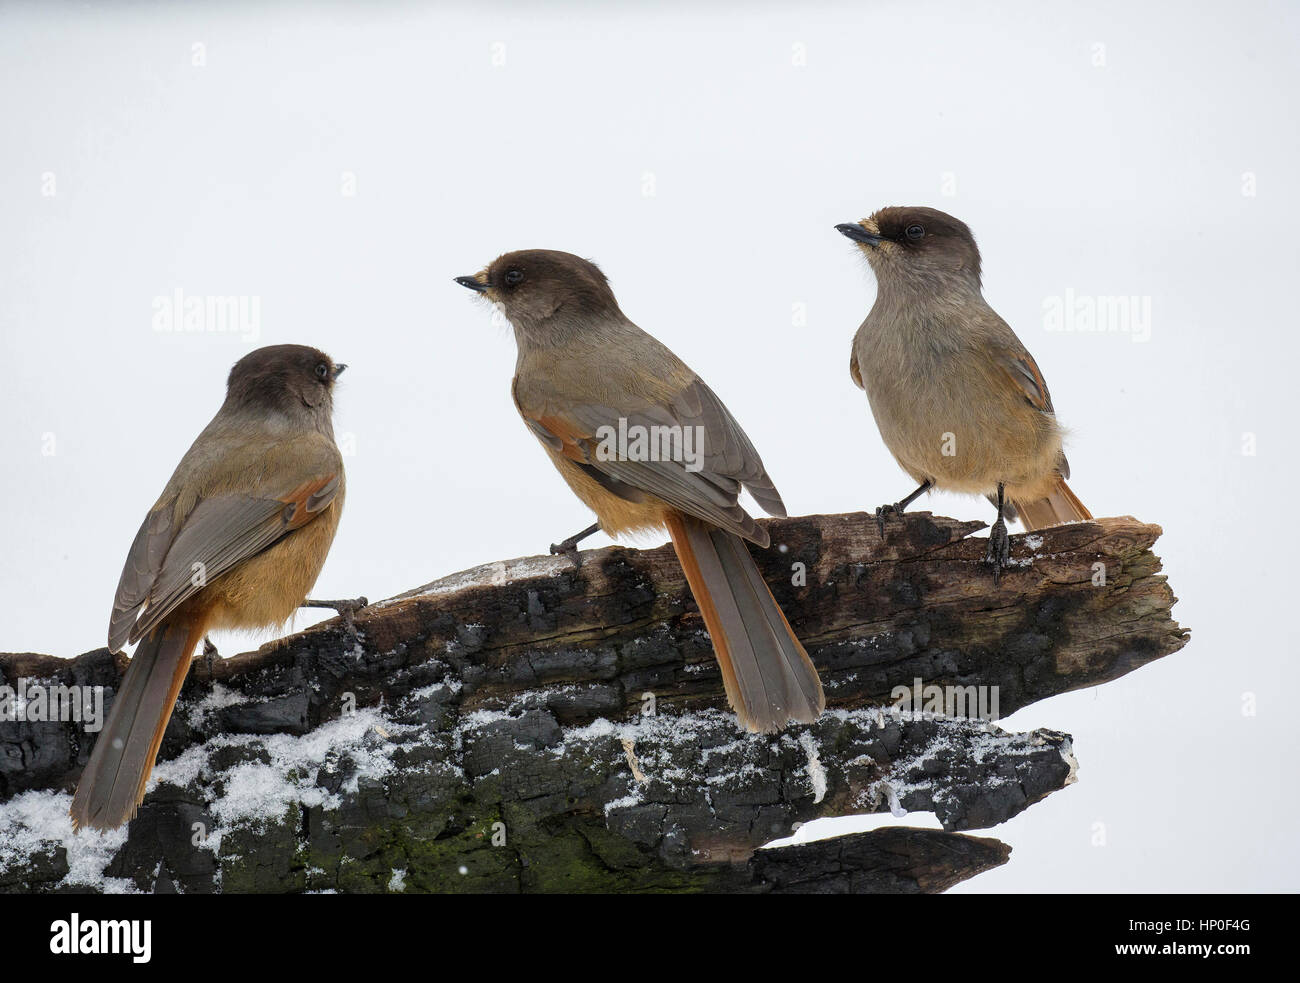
x,y
958,399
235,540
585,374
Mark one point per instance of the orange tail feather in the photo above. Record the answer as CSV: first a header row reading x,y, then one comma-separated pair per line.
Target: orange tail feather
x,y
1061,505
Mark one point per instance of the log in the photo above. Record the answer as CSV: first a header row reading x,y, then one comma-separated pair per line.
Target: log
x,y
892,860
532,725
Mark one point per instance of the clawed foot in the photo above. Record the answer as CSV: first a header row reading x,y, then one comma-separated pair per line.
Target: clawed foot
x,y
569,547
883,512
346,610
999,551
210,655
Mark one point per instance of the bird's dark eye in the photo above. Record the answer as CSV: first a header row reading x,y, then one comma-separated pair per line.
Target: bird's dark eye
x,y
514,277
915,232
322,371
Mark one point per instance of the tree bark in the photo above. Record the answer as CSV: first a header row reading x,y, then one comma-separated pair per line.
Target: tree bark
x,y
530,725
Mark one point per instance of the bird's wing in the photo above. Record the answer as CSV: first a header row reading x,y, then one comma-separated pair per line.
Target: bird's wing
x,y
706,483
1023,372
143,561
164,567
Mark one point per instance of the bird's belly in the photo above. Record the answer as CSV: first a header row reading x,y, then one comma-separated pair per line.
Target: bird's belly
x,y
938,433
265,590
616,515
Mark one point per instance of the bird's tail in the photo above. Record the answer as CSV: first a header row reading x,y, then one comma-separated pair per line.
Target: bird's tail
x,y
1061,505
114,779
769,678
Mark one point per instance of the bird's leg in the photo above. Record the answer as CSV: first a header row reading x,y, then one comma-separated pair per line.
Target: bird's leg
x,y
999,551
210,655
569,547
345,609
897,508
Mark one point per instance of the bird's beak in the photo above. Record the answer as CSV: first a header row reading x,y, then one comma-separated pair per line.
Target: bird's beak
x,y
857,233
338,368
473,282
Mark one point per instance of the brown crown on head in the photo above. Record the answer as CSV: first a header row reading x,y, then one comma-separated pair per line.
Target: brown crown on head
x,y
945,241
550,278
268,375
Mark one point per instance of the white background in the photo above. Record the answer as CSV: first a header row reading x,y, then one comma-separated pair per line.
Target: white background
x,y
757,131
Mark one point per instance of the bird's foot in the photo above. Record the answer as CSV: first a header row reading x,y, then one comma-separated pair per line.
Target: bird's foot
x,y
569,547
999,551
883,513
346,609
209,654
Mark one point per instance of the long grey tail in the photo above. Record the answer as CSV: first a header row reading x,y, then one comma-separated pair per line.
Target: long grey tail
x,y
114,779
769,678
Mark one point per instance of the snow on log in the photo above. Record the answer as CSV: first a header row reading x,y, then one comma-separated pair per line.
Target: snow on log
x,y
532,725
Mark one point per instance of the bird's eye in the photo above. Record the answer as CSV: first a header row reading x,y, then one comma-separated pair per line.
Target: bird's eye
x,y
514,277
915,232
322,371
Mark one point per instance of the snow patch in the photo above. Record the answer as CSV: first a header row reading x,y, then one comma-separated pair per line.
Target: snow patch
x,y
255,793
494,574
816,771
220,697
38,822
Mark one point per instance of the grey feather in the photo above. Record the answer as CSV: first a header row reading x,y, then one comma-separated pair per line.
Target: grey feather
x,y
777,682
727,459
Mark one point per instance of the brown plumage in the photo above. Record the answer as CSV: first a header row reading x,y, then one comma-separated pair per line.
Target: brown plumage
x,y
236,540
959,401
582,367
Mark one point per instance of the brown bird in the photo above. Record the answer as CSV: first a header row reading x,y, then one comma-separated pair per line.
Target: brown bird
x,y
958,399
236,540
647,445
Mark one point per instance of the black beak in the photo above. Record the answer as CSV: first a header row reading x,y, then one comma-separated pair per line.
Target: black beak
x,y
857,233
338,368
472,283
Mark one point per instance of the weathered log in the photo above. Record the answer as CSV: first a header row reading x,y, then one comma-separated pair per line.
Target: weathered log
x,y
530,725
891,860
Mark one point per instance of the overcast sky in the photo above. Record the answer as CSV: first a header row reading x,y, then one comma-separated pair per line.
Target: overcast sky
x,y
336,167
